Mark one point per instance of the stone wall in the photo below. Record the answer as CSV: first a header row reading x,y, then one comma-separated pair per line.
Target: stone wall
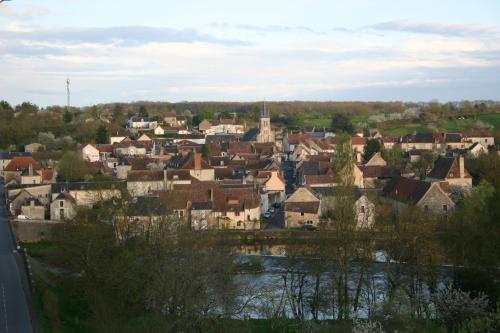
x,y
34,231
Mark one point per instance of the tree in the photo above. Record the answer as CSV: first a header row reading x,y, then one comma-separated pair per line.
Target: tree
x,y
71,167
143,112
372,146
454,307
394,156
27,107
101,135
343,166
118,116
67,116
342,123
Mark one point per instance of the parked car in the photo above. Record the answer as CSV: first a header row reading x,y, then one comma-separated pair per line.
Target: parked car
x,y
267,215
271,210
23,217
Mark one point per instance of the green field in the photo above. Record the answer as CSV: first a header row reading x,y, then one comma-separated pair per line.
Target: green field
x,y
493,119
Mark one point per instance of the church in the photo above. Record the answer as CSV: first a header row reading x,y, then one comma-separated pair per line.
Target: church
x,y
265,132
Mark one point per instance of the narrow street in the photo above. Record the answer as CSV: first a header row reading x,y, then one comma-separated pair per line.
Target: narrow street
x,y
14,315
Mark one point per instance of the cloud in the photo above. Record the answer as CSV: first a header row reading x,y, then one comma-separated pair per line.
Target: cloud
x,y
29,13
434,28
279,29
122,36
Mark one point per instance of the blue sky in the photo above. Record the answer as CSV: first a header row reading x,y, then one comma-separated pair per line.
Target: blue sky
x,y
249,50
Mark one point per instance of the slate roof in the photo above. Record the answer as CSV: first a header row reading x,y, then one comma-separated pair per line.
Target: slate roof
x,y
83,186
453,138
378,171
251,135
447,167
406,190
145,176
302,207
10,155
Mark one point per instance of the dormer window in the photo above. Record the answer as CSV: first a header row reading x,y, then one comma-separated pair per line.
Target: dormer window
x,y
61,203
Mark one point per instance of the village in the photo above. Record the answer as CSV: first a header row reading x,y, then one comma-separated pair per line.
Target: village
x,y
221,175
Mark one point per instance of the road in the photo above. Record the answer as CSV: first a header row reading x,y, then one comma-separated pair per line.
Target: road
x,y
14,315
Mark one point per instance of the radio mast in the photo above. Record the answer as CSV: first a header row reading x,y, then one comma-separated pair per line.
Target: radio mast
x,y
67,93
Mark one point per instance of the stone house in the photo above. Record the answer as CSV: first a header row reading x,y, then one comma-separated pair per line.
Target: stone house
x,y
34,209
170,119
486,138
402,192
451,170
302,208
5,159
89,194
143,182
34,147
63,207
16,167
142,123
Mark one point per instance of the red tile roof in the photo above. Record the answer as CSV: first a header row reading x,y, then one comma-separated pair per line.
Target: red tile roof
x,y
20,163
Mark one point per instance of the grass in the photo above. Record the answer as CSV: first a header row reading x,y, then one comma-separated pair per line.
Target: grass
x,y
318,122
493,119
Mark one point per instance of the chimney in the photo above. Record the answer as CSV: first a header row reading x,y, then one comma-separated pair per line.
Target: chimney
x,y
461,166
197,161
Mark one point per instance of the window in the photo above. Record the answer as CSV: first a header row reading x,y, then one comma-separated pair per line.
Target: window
x,y
426,208
238,223
362,209
61,214
181,213
248,217
237,213
61,203
445,208
301,213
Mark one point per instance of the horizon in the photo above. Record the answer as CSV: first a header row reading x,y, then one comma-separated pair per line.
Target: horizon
x,y
222,51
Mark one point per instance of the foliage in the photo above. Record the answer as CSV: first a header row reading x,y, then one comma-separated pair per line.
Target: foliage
x,y
343,165
68,117
394,156
101,135
342,123
71,167
454,306
372,146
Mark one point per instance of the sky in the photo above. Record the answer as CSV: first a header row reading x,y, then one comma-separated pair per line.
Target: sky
x,y
227,50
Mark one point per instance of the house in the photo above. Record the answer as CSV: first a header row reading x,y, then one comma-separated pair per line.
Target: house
x,y
402,192
132,148
17,166
144,138
88,194
454,141
224,126
199,168
90,153
204,126
389,142
302,208
236,207
273,188
33,208
170,119
34,147
421,141
486,138
375,176
63,207
181,121
144,123
29,176
159,130
451,170
119,136
477,149
5,159
376,160
143,182
363,207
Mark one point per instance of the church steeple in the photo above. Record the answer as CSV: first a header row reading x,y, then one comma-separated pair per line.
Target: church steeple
x,y
265,132
264,113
